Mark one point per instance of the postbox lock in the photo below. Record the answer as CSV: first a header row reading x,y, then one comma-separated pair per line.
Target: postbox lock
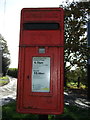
x,y
28,77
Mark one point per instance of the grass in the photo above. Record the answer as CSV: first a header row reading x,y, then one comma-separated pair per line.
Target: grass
x,y
9,113
70,113
4,80
74,113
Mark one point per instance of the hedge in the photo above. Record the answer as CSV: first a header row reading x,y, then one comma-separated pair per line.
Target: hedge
x,y
13,72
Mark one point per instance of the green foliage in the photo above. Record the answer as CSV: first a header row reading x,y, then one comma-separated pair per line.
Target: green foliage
x,y
13,72
72,76
70,113
5,65
74,85
76,51
76,17
5,55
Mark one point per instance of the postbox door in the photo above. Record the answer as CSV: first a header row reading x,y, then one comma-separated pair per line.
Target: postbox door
x,y
41,81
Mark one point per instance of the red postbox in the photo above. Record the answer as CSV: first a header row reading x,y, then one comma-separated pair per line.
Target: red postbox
x,y
41,61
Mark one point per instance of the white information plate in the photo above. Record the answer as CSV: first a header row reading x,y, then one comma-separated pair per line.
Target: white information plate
x,y
41,74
